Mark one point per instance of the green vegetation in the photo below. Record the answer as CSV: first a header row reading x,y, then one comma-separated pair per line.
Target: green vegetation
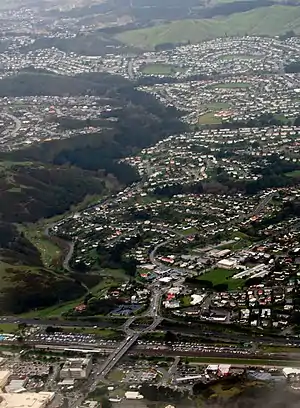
x,y
209,119
8,328
40,287
49,252
219,276
116,376
279,349
161,69
66,307
30,191
48,179
188,231
54,311
293,174
273,20
185,301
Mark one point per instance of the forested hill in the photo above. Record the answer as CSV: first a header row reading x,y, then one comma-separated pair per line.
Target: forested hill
x,y
47,179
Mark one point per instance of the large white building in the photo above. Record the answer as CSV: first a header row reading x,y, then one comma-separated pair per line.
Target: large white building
x,y
77,368
227,263
26,400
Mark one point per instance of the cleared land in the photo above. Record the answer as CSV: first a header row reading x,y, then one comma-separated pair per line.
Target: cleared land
x,y
8,328
222,276
209,119
271,21
48,250
161,69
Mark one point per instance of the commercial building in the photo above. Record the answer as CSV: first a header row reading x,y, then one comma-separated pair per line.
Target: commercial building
x,y
16,385
227,263
291,372
132,395
224,370
26,400
77,368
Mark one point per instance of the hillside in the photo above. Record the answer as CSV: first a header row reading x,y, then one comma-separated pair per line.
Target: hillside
x,y
141,122
47,179
272,20
27,288
30,191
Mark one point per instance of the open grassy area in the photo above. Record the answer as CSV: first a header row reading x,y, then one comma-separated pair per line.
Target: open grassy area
x,y
188,231
161,69
279,349
50,252
35,233
293,174
272,21
116,375
57,310
8,328
209,119
53,311
218,276
185,301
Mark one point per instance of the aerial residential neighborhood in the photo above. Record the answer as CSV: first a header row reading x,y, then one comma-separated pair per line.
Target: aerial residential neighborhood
x,y
149,204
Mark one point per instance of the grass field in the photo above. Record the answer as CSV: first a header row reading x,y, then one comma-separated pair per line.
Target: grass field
x,y
218,276
293,174
272,21
116,375
188,231
161,69
8,327
279,349
209,119
48,250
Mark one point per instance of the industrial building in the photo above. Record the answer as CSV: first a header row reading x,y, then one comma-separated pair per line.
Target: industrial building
x,y
26,400
76,368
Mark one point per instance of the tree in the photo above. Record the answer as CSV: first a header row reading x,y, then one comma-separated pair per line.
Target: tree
x,y
170,337
105,402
